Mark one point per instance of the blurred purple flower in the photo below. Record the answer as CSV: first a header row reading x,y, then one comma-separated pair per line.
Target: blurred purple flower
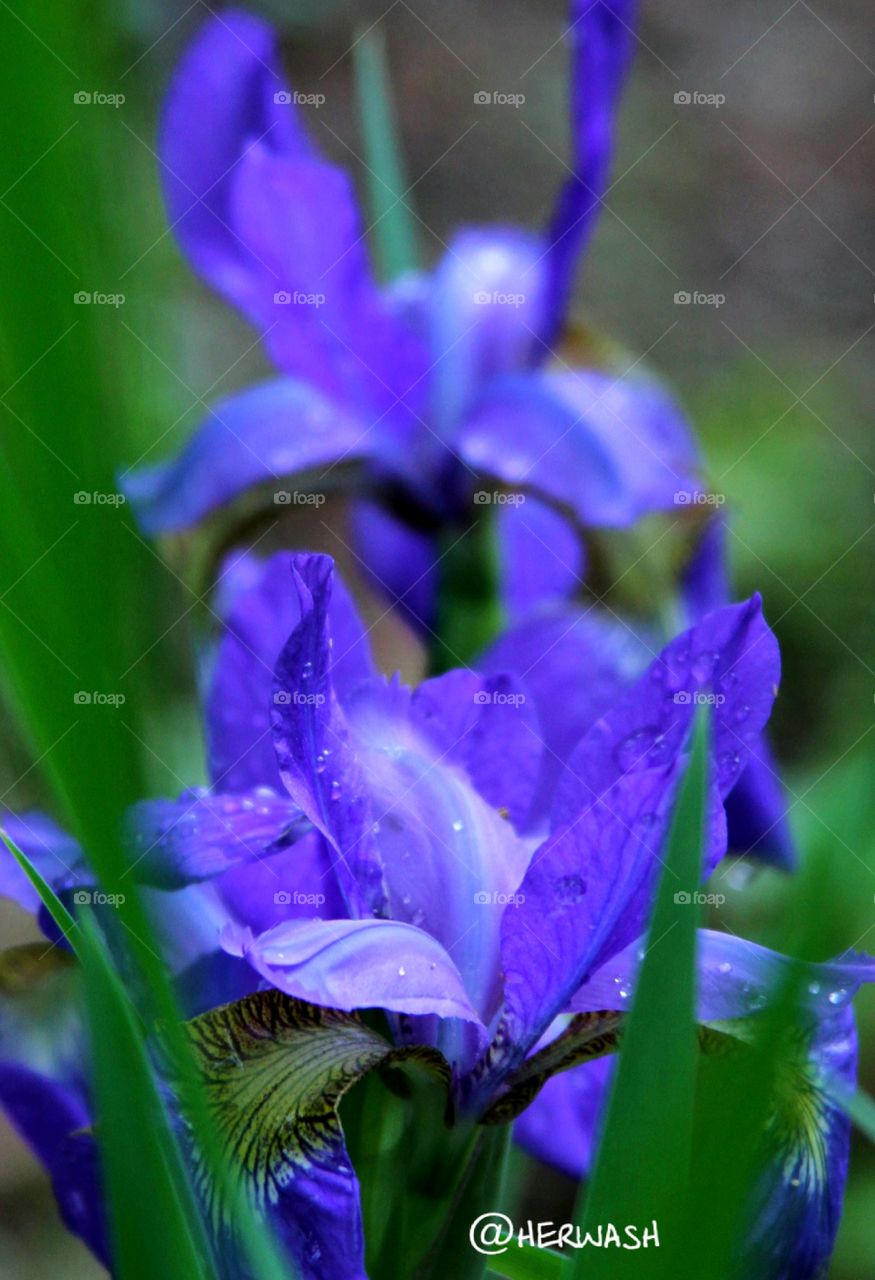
x,y
419,393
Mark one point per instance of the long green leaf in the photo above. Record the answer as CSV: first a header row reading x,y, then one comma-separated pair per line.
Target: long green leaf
x,y
641,1172
393,232
529,1264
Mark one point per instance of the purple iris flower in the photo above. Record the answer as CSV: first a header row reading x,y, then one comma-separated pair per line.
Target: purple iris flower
x,y
415,395
365,846
552,647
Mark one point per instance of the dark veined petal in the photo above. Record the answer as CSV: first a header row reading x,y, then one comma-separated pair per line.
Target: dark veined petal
x,y
43,1064
275,1070
609,450
283,432
602,43
222,101
262,611
588,889
357,964
807,1143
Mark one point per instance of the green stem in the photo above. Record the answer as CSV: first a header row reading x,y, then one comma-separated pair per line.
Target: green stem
x,y
469,614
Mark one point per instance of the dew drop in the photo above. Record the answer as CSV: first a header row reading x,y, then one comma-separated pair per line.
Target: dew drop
x,y
631,750
570,889
402,972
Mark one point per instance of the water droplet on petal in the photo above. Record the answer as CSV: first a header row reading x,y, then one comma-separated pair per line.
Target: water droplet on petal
x,y
570,889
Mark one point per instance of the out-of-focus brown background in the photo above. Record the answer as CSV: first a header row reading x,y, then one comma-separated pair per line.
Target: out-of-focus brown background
x,y
765,199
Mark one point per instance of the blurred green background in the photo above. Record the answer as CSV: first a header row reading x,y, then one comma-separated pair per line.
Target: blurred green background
x,y
765,200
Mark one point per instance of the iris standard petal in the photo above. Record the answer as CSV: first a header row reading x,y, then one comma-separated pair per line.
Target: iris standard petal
x,y
391,779
608,450
486,302
541,557
575,663
587,892
729,661
602,42
756,808
261,616
227,94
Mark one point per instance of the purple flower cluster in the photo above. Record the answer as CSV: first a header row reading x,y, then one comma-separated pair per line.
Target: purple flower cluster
x,y
474,858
